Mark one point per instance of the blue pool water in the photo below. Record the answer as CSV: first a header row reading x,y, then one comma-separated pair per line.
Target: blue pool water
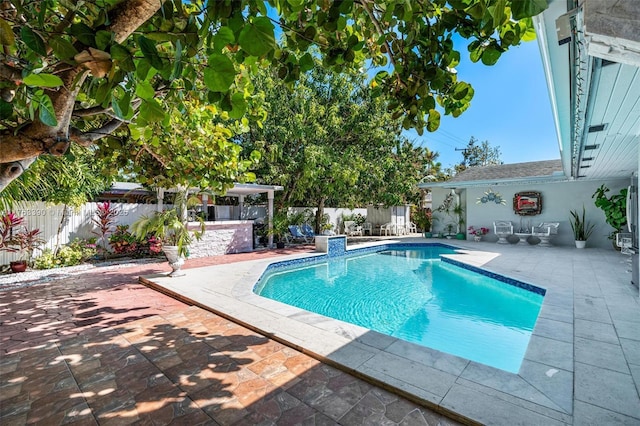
x,y
412,295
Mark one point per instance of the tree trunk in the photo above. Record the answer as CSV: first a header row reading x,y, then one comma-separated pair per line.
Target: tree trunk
x,y
319,215
63,221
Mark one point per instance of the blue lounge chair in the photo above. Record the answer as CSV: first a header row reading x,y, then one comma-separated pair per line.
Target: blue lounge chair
x,y
307,230
296,235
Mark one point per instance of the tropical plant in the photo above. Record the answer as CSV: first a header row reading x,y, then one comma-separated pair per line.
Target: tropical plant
x,y
279,226
582,229
422,218
15,237
75,72
9,227
170,228
27,241
478,232
614,207
104,220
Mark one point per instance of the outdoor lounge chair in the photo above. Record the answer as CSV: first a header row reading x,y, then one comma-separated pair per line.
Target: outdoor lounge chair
x,y
296,235
545,231
350,228
308,232
502,229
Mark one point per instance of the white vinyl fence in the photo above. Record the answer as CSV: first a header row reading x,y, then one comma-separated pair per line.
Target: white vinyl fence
x,y
74,224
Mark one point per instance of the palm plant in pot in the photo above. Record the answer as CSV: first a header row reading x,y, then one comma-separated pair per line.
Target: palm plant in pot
x,y
582,229
170,227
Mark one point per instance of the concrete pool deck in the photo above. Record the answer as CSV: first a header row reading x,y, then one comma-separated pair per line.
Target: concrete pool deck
x,y
582,365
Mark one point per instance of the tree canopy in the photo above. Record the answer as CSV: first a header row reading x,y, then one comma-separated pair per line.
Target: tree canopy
x,y
328,141
74,72
475,154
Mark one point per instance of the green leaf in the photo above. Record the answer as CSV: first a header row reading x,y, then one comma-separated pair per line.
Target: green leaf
x,y
527,31
6,34
434,120
256,38
42,80
490,55
239,106
150,52
144,90
116,107
104,39
152,111
6,110
62,48
223,37
84,34
46,112
306,62
177,62
527,8
33,41
460,91
122,55
219,74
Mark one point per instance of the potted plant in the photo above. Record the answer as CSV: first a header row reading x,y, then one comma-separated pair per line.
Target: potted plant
x,y
614,208
423,219
450,230
170,227
16,238
279,228
478,232
458,211
582,229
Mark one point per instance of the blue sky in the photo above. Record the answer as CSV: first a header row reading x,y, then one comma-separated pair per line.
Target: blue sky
x,y
510,109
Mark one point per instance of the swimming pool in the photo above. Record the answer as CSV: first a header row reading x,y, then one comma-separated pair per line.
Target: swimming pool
x,y
412,294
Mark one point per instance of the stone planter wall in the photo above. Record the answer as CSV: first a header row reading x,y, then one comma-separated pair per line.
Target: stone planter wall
x,y
235,236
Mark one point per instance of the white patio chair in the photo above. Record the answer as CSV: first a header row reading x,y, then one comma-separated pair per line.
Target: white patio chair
x,y
503,229
367,227
412,228
545,231
388,229
351,229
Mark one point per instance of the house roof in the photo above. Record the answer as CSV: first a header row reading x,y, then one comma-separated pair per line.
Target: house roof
x,y
533,171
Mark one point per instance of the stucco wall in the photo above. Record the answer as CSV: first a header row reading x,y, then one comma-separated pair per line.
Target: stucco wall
x,y
557,200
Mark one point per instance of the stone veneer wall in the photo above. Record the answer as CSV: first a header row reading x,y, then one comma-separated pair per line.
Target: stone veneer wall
x,y
223,238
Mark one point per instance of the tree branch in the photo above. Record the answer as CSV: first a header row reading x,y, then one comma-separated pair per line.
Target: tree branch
x,y
37,138
88,138
10,171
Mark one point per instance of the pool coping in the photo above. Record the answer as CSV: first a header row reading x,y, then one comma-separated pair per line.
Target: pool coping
x,y
541,393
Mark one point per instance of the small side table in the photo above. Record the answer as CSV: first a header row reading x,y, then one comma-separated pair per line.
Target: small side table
x,y
522,236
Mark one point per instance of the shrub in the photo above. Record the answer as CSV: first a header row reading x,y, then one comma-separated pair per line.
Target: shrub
x,y
74,253
124,242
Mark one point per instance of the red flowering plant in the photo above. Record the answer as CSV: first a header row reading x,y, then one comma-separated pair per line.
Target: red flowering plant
x,y
106,216
9,224
15,237
479,231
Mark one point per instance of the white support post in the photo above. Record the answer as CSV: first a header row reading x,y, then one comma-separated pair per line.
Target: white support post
x,y
205,206
160,199
270,217
241,205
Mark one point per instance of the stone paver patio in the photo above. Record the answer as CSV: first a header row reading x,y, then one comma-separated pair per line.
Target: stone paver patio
x,y
582,365
98,348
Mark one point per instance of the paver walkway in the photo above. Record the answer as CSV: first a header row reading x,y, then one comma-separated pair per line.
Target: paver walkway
x,y
98,348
